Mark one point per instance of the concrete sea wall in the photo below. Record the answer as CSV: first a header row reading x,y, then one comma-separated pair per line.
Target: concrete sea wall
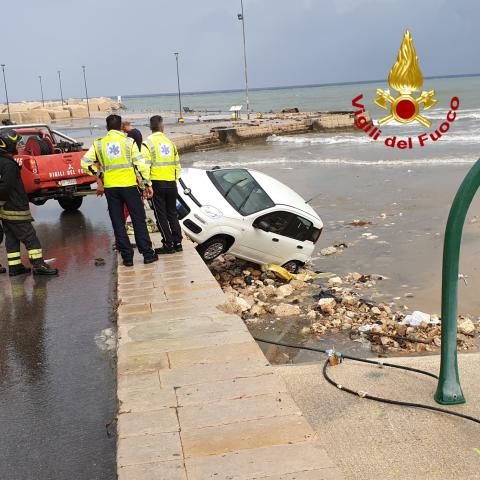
x,y
286,124
72,108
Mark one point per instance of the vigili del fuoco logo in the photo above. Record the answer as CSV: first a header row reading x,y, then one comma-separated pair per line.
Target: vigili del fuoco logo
x,y
405,78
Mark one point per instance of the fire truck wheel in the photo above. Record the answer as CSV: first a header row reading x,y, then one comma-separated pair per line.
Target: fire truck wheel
x,y
70,204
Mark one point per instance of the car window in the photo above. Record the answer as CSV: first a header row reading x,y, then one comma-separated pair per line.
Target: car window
x,y
291,225
25,138
241,190
279,222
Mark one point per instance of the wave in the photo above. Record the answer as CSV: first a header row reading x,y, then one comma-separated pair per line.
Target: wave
x,y
340,161
450,137
319,140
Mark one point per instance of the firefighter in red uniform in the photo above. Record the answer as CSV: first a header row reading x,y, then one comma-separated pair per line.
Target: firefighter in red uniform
x,y
15,212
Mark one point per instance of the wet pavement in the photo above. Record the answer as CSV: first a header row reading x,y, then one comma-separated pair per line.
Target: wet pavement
x,y
57,388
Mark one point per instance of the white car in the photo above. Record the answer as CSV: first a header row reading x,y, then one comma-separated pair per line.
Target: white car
x,y
247,213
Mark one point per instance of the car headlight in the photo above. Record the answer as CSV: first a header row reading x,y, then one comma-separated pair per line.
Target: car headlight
x,y
211,211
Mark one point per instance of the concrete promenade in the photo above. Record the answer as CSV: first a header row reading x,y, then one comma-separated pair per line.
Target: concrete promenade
x,y
197,398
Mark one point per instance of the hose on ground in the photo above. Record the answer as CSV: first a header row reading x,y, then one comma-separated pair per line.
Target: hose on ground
x,y
365,394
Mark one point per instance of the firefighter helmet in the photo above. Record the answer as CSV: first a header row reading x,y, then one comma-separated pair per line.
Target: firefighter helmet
x,y
8,140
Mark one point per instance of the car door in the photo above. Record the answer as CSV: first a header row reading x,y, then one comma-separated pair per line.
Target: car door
x,y
272,246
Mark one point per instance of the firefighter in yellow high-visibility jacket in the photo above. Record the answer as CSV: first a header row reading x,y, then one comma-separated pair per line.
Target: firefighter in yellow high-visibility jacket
x,y
162,154
116,161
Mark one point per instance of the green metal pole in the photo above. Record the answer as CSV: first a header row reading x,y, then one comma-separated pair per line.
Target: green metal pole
x,y
449,391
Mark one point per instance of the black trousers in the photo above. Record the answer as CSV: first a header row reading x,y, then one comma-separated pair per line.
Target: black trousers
x,y
21,232
117,197
165,202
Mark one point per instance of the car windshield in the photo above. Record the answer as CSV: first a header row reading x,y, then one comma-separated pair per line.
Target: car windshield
x,y
241,190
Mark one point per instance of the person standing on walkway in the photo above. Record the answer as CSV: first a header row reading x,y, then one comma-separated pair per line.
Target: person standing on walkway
x,y
116,160
162,154
134,133
15,212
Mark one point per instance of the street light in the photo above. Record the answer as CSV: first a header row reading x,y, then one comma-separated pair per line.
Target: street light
x,y
86,91
180,118
60,82
241,17
6,93
41,89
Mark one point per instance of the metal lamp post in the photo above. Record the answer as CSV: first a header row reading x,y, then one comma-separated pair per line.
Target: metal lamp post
x,y
86,90
6,93
41,89
180,117
241,17
60,83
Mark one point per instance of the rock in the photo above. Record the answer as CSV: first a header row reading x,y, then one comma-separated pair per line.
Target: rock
x,y
257,310
328,251
409,295
336,322
256,273
269,281
466,327
284,291
318,328
401,329
335,281
420,347
305,330
327,304
350,300
416,318
268,291
437,341
311,315
296,284
376,311
241,304
286,310
238,281
356,276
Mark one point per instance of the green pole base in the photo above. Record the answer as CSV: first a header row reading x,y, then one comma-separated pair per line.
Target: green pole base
x,y
449,394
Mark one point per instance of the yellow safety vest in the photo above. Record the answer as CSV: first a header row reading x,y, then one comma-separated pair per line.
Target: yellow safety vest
x,y
165,162
114,152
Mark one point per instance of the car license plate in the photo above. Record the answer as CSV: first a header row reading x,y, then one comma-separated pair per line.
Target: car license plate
x,y
66,183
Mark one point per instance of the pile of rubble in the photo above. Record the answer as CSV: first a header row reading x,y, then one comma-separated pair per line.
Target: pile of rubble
x,y
330,306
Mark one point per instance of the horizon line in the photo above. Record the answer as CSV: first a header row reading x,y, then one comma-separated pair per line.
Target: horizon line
x,y
285,87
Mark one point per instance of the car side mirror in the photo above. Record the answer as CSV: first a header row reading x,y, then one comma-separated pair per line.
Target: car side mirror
x,y
263,225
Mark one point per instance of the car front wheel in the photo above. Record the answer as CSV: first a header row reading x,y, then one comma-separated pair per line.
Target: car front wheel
x,y
70,204
212,248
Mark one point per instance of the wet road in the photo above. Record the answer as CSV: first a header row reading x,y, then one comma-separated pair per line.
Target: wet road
x,y
57,388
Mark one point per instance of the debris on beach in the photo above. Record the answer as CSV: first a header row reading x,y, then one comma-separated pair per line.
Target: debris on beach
x,y
359,223
323,305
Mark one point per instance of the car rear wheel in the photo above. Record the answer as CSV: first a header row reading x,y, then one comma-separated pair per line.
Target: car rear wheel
x,y
292,266
212,248
70,204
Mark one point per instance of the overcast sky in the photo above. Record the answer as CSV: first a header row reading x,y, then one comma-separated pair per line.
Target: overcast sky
x,y
127,45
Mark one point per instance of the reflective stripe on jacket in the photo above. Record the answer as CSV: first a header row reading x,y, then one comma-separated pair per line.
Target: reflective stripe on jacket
x,y
117,155
14,204
163,156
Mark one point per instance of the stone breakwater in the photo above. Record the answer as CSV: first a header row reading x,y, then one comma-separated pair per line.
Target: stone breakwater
x,y
273,124
73,108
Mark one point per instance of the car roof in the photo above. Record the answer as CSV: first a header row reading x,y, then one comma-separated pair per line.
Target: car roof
x,y
280,193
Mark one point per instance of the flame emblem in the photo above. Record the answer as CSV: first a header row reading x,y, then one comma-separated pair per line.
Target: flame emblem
x,y
405,77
